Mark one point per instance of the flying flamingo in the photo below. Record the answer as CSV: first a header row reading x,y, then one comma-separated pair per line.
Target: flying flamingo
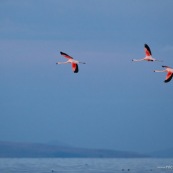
x,y
73,62
169,71
148,55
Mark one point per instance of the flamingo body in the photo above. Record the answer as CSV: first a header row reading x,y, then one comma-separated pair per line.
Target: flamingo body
x,y
169,71
73,62
148,55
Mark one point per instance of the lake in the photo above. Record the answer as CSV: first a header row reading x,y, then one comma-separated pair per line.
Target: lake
x,y
85,165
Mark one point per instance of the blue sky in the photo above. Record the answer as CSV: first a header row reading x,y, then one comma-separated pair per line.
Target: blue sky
x,y
112,102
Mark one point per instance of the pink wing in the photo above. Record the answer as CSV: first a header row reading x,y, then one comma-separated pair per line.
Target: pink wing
x,y
75,67
169,76
147,50
65,55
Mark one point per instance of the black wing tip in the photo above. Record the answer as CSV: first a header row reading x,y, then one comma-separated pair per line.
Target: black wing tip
x,y
165,66
169,79
148,48
62,53
166,81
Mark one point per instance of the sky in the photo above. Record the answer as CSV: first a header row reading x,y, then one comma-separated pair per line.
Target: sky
x,y
112,103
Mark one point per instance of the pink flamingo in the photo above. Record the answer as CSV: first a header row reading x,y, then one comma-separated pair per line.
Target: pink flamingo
x,y
148,55
169,71
73,62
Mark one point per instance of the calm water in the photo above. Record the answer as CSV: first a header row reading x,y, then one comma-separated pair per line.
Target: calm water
x,y
86,165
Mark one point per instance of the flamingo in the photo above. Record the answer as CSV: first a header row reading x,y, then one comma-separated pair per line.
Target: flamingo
x,y
73,62
148,55
169,71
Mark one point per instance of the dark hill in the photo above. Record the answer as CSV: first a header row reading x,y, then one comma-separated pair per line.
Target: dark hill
x,y
167,153
35,150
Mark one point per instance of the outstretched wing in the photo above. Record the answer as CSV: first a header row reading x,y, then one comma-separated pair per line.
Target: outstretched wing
x,y
65,55
168,77
147,50
75,67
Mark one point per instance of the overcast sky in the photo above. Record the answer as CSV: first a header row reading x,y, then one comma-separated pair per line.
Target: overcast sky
x,y
112,102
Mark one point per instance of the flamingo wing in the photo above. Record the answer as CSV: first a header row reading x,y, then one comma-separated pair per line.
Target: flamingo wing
x,y
168,77
164,66
75,67
147,50
65,55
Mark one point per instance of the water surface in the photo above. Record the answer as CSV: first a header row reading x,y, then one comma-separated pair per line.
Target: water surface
x,y
89,165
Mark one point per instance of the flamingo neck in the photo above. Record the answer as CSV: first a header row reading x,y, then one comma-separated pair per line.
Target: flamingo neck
x,y
136,60
159,70
62,62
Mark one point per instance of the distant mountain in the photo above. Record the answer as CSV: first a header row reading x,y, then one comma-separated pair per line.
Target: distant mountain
x,y
167,153
19,149
58,143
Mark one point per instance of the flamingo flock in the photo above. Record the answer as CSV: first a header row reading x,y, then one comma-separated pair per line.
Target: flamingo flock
x,y
148,57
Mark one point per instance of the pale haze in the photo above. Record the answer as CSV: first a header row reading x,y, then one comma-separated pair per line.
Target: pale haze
x,y
112,103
